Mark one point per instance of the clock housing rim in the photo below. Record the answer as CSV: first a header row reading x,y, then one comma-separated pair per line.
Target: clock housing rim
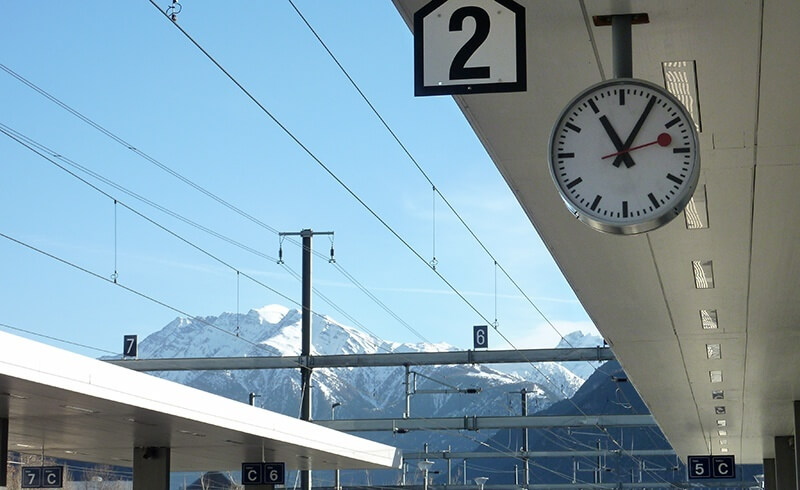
x,y
650,223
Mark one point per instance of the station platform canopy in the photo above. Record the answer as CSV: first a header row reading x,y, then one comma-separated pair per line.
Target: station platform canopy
x,y
701,313
67,406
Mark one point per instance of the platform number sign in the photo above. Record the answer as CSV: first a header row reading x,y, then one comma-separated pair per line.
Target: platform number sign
x,y
469,46
699,467
252,474
711,467
42,477
274,473
263,473
130,347
480,336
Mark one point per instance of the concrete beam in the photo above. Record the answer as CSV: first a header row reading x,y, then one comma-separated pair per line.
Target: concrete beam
x,y
796,449
151,468
769,474
785,477
3,453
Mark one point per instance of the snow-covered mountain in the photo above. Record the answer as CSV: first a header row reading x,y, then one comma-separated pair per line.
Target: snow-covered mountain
x,y
563,377
362,392
582,369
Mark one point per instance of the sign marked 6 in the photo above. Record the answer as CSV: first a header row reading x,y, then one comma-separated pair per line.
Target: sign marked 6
x,y
480,336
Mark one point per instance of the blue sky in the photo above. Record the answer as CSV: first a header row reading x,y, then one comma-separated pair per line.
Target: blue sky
x,y
123,65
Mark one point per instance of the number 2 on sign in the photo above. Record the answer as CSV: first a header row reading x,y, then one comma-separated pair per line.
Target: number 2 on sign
x,y
458,68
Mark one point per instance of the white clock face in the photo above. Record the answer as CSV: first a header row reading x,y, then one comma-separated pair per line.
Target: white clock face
x,y
624,156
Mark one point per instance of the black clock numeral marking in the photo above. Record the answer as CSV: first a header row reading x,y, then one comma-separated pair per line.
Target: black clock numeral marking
x,y
624,209
573,127
677,180
566,155
593,106
653,200
681,150
575,182
595,202
672,122
622,97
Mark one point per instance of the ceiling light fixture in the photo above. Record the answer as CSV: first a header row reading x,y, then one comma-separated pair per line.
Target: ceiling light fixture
x,y
16,397
716,376
708,319
703,274
722,423
719,410
696,211
717,395
680,79
714,351
723,442
79,409
723,450
722,432
191,433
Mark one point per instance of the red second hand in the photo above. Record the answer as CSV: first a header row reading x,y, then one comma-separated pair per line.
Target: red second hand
x,y
664,139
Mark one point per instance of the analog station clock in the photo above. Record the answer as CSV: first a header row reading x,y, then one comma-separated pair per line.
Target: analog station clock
x,y
624,156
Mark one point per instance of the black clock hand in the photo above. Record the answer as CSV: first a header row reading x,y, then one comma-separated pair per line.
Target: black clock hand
x,y
617,142
634,132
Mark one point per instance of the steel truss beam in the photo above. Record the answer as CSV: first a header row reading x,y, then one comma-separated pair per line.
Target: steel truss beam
x,y
369,360
578,486
478,422
643,453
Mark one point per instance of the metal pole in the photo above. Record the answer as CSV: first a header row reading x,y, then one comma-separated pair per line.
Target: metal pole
x,y
449,467
621,46
337,476
525,462
465,472
574,471
407,413
305,411
597,475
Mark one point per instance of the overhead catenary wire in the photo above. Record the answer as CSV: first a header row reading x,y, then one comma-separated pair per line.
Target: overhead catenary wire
x,y
56,339
178,310
347,188
143,216
436,190
97,275
319,162
162,303
184,179
37,147
416,163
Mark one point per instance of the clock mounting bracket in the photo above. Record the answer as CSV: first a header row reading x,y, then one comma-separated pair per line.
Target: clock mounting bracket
x,y
621,39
